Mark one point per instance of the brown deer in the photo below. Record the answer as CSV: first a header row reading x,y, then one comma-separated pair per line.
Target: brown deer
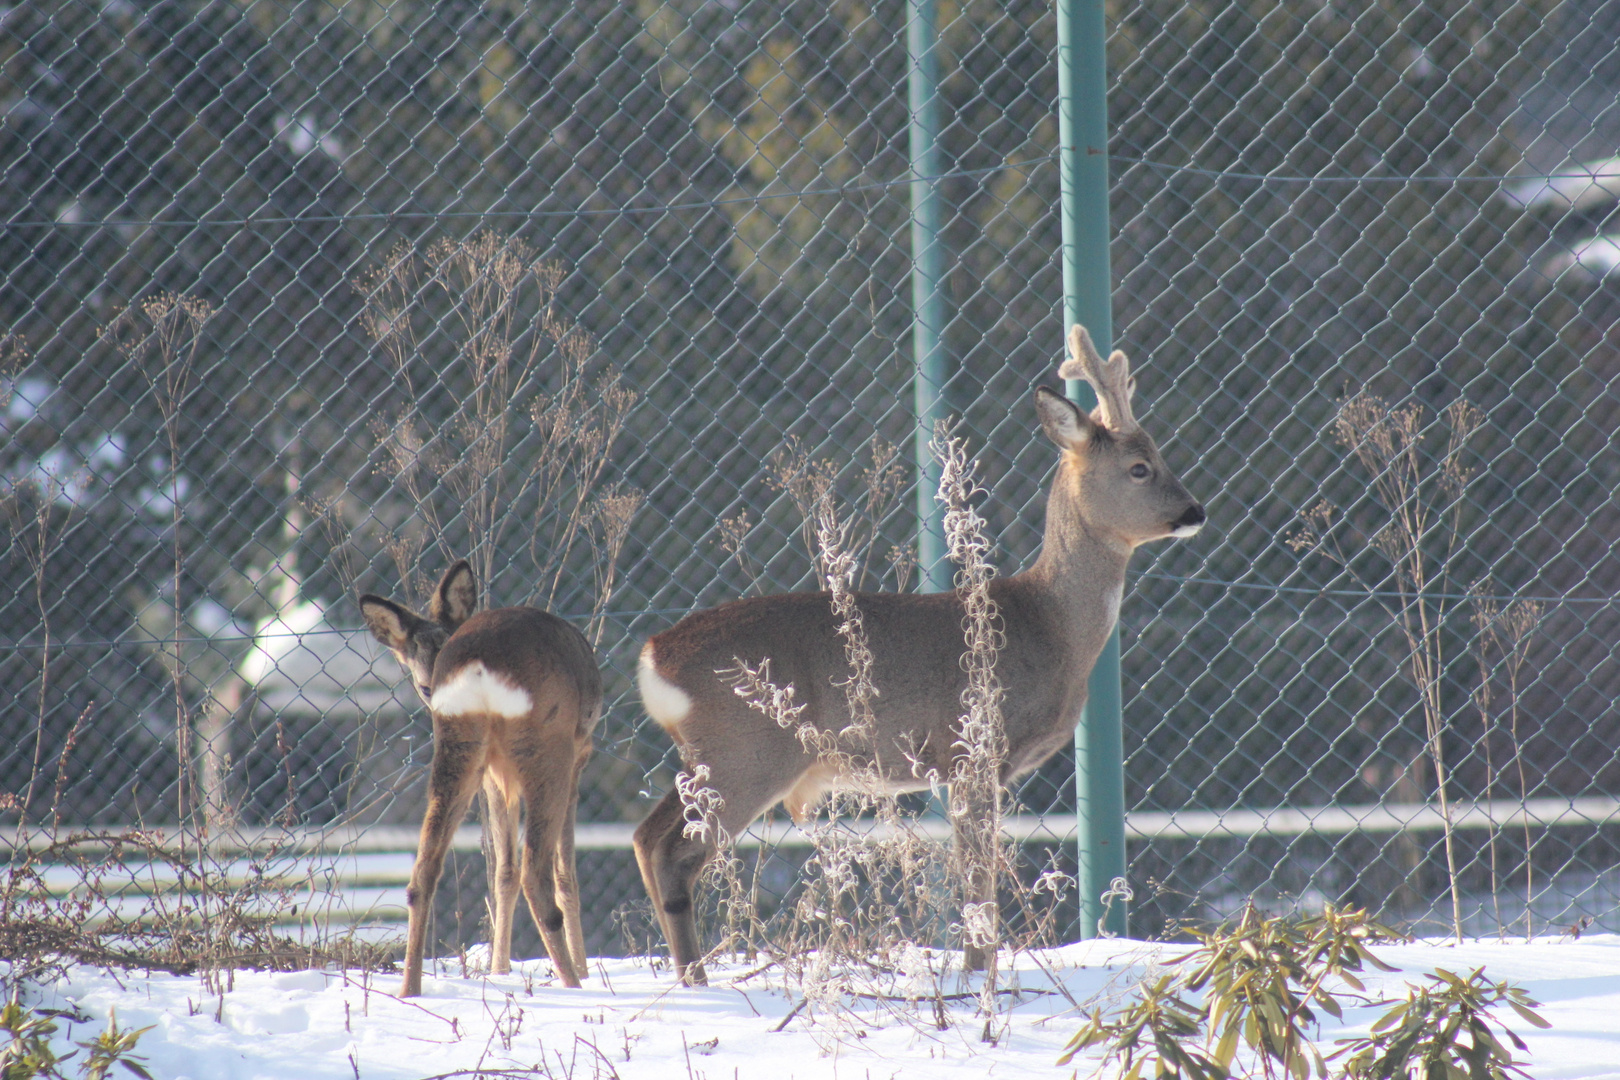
x,y
1112,493
515,694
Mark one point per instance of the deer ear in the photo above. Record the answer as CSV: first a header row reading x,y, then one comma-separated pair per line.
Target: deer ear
x,y
456,598
388,622
1062,420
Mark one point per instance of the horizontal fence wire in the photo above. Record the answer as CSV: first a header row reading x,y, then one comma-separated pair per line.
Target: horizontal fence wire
x,y
241,382
843,189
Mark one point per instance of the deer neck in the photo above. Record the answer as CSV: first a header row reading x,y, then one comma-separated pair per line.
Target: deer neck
x,y
1081,570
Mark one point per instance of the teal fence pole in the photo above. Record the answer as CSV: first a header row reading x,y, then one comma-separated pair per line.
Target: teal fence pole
x,y
1099,746
927,285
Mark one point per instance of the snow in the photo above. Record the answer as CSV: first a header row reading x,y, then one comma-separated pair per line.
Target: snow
x,y
631,1021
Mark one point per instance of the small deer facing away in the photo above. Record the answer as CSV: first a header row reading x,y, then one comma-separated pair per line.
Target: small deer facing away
x,y
1112,493
515,694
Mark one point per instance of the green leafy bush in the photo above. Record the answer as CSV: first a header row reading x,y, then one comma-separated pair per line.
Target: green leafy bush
x,y
1419,1038
1263,981
28,1054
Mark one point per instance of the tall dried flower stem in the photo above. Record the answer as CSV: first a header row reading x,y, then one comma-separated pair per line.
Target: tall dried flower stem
x,y
1519,623
1486,613
503,323
28,507
1423,504
161,336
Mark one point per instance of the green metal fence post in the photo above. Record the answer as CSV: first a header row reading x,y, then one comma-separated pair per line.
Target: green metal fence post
x,y
1087,287
927,283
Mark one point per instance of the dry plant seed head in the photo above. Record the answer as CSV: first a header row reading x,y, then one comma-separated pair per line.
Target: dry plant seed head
x,y
549,274
1376,433
1486,610
405,549
13,355
553,419
177,309
575,345
1314,528
806,482
883,480
1463,418
1519,621
387,292
734,533
615,510
1393,542
617,398
403,447
903,558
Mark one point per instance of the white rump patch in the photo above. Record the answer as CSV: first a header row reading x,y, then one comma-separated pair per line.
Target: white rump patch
x,y
476,689
1184,531
665,702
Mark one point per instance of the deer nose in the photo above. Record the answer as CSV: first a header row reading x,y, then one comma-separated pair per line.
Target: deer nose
x,y
1189,522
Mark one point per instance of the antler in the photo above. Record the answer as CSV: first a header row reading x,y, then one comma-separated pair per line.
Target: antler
x,y
1110,378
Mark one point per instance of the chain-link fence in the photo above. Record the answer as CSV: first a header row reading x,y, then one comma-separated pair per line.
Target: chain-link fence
x,y
1310,201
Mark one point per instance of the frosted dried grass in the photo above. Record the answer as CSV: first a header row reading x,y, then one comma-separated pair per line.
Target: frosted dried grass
x,y
870,907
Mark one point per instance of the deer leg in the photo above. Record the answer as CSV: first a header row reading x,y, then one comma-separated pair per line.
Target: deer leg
x,y
502,826
676,859
545,791
453,780
568,885
645,841
670,864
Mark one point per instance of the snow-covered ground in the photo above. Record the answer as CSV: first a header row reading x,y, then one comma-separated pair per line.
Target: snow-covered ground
x,y
631,1022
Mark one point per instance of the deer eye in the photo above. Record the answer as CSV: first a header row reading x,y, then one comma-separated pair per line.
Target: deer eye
x,y
1139,471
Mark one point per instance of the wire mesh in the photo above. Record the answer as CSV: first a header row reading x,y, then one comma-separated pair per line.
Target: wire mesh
x,y
1310,201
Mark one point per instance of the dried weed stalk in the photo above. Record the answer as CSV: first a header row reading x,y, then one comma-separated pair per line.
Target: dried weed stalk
x,y
734,541
1416,499
1487,610
981,742
476,340
1505,630
160,337
34,513
136,902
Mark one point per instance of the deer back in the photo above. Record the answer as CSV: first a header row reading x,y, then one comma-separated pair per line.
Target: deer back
x,y
916,643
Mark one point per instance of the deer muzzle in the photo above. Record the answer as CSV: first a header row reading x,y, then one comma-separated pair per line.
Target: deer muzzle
x,y
1190,522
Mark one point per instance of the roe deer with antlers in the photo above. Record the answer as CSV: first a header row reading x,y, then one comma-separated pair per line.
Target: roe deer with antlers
x,y
1112,493
515,693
